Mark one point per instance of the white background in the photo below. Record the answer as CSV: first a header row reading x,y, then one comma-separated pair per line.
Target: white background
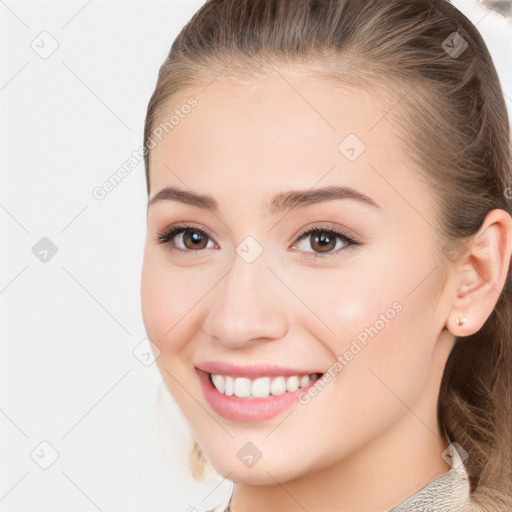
x,y
69,326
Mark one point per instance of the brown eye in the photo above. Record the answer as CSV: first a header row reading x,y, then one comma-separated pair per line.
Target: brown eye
x,y
323,242
184,238
194,239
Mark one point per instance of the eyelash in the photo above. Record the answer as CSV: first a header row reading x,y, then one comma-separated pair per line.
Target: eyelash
x,y
166,237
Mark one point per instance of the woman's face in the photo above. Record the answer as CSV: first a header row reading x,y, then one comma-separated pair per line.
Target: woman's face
x,y
244,295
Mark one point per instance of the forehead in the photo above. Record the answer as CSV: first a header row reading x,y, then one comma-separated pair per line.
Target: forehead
x,y
275,131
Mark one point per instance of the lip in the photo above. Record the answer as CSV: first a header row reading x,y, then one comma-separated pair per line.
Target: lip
x,y
252,371
248,409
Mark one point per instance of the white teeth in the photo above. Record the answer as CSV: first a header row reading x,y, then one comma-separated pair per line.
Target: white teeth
x,y
218,382
261,387
228,386
242,387
304,381
278,386
292,383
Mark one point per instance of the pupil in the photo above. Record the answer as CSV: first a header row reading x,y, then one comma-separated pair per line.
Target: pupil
x,y
195,237
325,242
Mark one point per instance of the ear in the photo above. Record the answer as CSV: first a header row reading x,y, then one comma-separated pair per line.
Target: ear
x,y
480,275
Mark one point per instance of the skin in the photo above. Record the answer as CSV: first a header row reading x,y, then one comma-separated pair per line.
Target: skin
x,y
370,438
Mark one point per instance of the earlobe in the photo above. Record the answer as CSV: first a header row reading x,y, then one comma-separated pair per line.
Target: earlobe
x,y
458,326
461,320
481,274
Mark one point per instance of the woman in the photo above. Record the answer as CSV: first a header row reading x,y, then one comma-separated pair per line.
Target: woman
x,y
327,265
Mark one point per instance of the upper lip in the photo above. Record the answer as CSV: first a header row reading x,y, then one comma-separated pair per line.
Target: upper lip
x,y
251,370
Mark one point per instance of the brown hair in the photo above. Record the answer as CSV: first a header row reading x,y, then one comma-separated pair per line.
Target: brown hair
x,y
449,113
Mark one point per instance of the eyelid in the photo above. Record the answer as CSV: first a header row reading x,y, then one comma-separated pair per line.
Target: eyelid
x,y
178,228
329,226
350,242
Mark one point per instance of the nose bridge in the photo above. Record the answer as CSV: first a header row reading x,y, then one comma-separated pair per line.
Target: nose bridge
x,y
244,305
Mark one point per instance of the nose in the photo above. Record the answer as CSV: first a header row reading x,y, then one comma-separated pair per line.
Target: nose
x,y
245,306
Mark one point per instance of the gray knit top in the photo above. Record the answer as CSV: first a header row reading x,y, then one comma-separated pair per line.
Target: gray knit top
x,y
448,493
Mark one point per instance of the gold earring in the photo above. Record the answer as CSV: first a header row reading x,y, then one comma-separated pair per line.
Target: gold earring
x,y
460,320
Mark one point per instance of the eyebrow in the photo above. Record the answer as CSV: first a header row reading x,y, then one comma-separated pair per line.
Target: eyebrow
x,y
280,203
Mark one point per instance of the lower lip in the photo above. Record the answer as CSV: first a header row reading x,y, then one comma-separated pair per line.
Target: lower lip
x,y
247,409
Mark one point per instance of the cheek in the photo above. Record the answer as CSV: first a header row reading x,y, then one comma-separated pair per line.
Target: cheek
x,y
376,320
173,300
167,295
344,303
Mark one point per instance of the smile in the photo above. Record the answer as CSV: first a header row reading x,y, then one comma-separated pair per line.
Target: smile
x,y
252,393
262,387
